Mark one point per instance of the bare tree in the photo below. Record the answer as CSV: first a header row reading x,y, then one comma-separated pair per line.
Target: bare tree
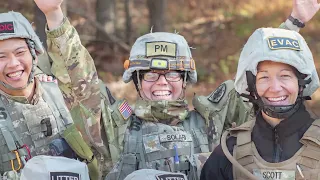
x,y
128,21
157,14
105,15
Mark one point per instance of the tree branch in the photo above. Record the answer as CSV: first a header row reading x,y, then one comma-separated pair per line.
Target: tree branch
x,y
114,39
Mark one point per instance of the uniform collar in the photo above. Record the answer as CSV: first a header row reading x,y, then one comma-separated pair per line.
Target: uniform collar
x,y
22,99
287,126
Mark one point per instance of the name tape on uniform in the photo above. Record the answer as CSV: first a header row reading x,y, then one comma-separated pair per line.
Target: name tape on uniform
x,y
283,43
64,176
268,174
170,177
175,137
161,49
6,27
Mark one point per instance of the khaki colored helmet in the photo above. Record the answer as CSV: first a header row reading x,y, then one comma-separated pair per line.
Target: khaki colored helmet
x,y
160,50
15,25
278,45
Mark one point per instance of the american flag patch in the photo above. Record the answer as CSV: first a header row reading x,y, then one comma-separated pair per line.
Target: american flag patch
x,y
125,110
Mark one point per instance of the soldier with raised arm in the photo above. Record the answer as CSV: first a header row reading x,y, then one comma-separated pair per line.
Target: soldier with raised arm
x,y
160,133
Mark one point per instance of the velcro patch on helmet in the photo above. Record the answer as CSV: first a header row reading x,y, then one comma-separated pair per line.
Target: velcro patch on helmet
x,y
6,27
169,176
161,49
283,43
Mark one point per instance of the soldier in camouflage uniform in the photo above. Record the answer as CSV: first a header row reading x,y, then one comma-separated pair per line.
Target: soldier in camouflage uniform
x,y
160,133
282,140
33,113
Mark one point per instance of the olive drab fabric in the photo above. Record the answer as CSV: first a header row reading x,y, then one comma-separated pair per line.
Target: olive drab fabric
x,y
151,145
81,91
222,109
99,116
305,164
22,123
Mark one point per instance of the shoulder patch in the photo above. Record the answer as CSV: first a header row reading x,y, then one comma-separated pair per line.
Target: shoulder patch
x,y
125,110
169,176
217,95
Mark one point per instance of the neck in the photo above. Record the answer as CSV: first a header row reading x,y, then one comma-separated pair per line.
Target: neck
x,y
27,92
272,121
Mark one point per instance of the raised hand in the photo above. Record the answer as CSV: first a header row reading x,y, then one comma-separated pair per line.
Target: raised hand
x,y
304,10
52,11
48,6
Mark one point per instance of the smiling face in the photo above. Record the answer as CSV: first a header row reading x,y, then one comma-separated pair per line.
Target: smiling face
x,y
277,83
162,89
15,63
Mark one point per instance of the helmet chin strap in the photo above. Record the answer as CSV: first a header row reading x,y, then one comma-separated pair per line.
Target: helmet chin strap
x,y
279,112
31,46
143,96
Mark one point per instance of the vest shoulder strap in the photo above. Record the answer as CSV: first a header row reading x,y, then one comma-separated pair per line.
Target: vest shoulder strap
x,y
312,135
53,96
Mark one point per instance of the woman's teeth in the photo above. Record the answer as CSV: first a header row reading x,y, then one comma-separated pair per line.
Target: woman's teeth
x,y
161,93
277,99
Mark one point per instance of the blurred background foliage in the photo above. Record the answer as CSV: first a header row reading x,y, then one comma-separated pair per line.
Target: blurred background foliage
x,y
216,29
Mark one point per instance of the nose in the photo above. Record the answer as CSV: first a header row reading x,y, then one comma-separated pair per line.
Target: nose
x,y
13,62
162,80
276,85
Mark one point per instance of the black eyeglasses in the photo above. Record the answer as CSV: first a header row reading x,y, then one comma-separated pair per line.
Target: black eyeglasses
x,y
171,76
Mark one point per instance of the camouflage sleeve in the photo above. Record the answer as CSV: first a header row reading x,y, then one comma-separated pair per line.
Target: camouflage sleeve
x,y
221,110
78,80
289,26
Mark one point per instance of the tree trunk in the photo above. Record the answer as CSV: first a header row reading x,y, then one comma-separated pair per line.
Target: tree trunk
x,y
128,21
105,15
157,14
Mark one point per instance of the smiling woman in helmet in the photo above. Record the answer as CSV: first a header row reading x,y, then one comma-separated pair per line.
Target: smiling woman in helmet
x,y
276,72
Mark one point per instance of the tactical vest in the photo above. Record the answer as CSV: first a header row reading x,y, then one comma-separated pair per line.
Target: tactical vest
x,y
150,145
26,125
305,164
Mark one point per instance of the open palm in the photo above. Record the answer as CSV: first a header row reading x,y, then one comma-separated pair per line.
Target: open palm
x,y
304,10
47,6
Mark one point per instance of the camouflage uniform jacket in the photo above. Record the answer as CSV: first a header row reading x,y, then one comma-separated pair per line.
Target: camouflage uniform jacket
x,y
91,110
22,128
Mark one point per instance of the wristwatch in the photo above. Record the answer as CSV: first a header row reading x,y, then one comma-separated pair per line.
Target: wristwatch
x,y
296,22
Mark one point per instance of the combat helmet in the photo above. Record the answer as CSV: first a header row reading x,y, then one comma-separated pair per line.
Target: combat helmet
x,y
160,51
15,25
278,45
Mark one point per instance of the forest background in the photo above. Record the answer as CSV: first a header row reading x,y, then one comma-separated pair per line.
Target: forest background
x,y
216,29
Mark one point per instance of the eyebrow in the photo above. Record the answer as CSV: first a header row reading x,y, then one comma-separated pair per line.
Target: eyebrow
x,y
280,70
18,48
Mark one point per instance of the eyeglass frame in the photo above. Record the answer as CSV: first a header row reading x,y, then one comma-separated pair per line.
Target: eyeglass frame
x,y
159,74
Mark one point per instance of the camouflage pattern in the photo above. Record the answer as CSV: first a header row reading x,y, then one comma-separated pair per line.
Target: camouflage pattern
x,y
200,159
160,50
26,117
230,111
78,80
167,112
160,144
